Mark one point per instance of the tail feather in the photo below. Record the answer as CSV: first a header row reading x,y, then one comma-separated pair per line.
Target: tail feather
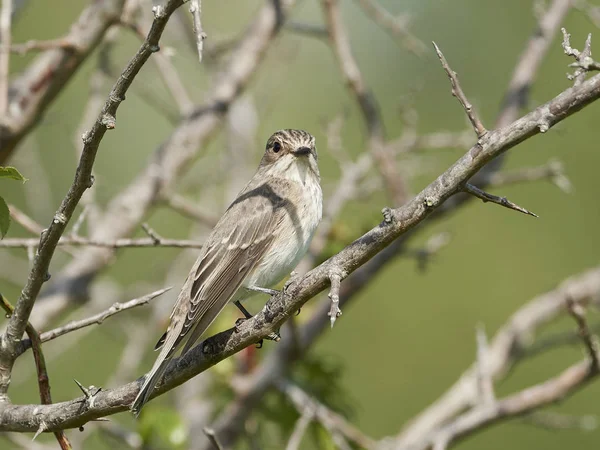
x,y
150,381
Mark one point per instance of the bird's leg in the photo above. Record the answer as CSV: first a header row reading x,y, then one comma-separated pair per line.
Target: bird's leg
x,y
263,290
271,337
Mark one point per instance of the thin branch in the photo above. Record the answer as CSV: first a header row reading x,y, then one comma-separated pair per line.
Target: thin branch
x,y
33,45
460,95
80,241
306,417
502,201
332,421
212,437
335,279
553,171
35,88
195,10
189,209
578,313
369,108
95,319
397,26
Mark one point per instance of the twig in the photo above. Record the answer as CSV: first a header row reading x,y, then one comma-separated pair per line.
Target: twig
x,y
556,421
578,313
583,59
195,9
553,171
24,220
384,160
187,208
308,29
80,241
330,420
460,95
335,279
398,26
40,365
33,45
95,319
306,417
502,201
5,35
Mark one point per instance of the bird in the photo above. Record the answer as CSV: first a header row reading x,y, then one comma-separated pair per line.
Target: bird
x,y
259,240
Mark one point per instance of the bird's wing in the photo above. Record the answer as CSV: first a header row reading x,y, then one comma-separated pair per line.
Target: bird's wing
x,y
230,256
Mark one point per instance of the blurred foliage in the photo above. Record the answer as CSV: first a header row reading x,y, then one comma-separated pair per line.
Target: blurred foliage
x,y
407,337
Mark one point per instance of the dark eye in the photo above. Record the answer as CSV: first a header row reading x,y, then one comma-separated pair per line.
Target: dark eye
x,y
276,147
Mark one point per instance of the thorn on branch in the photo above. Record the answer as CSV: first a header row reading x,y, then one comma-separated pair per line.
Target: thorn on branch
x,y
89,393
457,92
502,201
335,278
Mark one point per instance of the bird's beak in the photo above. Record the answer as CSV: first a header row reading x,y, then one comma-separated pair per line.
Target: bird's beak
x,y
302,151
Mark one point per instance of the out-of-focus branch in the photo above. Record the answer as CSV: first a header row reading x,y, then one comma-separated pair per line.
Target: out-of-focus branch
x,y
397,26
195,10
5,36
118,243
83,180
503,351
369,108
283,305
34,90
330,419
553,171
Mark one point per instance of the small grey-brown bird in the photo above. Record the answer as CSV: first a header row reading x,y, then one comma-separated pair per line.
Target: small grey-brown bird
x,y
259,240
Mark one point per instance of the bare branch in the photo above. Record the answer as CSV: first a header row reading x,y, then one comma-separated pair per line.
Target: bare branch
x,y
80,241
95,319
397,26
189,209
460,95
369,108
195,9
39,84
578,313
502,201
5,43
335,279
32,45
553,171
332,421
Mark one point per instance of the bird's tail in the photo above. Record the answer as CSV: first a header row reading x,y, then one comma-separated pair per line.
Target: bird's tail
x,y
151,379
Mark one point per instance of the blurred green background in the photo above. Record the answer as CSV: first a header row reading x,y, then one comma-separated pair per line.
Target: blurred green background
x,y
411,334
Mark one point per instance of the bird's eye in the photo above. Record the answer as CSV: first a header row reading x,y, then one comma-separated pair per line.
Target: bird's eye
x,y
276,147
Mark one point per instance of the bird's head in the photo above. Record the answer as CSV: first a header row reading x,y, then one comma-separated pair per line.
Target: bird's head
x,y
289,149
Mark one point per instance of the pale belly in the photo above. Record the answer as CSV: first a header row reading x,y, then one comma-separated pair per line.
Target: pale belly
x,y
290,247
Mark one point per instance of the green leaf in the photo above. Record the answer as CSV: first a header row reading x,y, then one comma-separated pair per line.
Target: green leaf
x,y
11,173
4,218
